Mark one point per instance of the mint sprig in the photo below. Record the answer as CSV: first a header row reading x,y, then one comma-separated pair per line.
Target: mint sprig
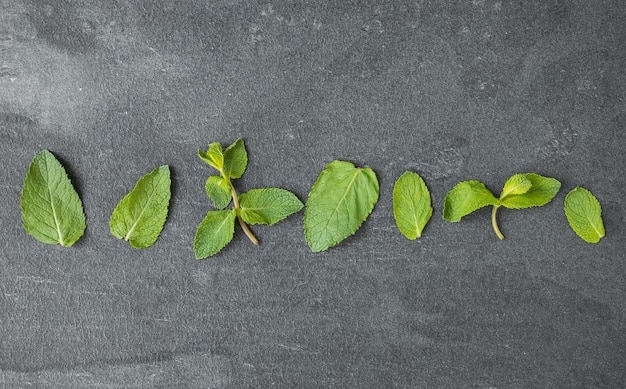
x,y
258,206
519,191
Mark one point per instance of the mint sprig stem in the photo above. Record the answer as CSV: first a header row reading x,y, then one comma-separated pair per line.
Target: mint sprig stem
x,y
237,208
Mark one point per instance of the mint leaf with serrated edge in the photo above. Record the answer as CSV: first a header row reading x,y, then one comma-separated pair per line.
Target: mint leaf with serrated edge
x,y
139,217
584,214
268,205
214,233
52,211
411,205
235,159
341,199
519,191
218,191
465,198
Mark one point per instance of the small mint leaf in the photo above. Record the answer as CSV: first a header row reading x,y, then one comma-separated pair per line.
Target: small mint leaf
x,y
218,191
268,205
52,211
214,233
517,184
235,159
213,156
139,217
465,198
584,214
542,190
411,205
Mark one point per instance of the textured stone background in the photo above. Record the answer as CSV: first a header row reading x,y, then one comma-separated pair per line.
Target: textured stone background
x,y
454,90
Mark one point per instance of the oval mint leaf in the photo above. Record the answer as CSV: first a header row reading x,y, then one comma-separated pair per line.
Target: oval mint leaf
x,y
411,205
268,205
541,191
584,215
465,198
339,202
214,233
52,211
139,217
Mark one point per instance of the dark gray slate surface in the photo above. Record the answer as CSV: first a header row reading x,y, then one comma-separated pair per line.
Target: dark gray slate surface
x,y
453,90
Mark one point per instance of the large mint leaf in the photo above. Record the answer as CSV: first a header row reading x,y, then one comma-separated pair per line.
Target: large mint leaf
x,y
52,212
542,190
411,205
465,198
235,159
139,217
584,215
218,191
214,233
268,205
339,202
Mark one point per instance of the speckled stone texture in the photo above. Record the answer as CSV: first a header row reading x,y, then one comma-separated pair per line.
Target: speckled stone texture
x,y
453,90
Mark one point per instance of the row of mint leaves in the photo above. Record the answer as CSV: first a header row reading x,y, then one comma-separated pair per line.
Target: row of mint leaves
x,y
341,199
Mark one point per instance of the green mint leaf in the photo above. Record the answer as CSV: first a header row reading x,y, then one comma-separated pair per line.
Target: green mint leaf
x,y
584,215
52,211
339,202
139,217
235,159
213,156
517,184
267,205
542,190
411,205
214,233
218,190
465,198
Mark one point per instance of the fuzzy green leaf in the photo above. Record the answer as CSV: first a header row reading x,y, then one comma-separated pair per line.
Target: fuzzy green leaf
x,y
214,233
339,202
517,184
584,215
213,156
139,217
218,191
465,198
411,205
268,205
52,211
235,159
542,190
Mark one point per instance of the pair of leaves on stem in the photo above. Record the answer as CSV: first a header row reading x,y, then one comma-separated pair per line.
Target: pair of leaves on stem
x,y
257,206
519,191
52,211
